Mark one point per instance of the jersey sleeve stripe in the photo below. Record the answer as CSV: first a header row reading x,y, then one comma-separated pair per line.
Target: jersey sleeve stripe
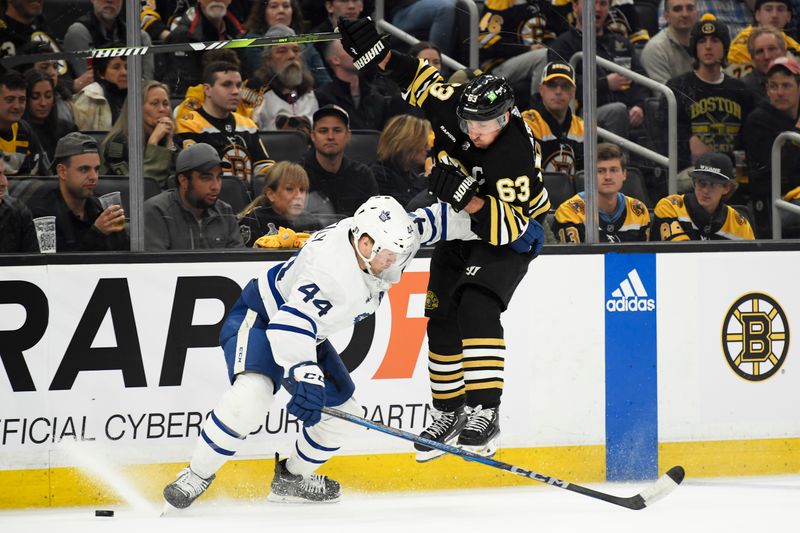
x,y
291,329
493,230
511,216
299,314
432,220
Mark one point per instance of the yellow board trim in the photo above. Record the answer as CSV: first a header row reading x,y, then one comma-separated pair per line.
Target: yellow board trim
x,y
723,458
249,479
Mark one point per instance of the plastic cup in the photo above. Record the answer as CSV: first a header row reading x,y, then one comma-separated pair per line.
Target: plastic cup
x,y
112,198
46,233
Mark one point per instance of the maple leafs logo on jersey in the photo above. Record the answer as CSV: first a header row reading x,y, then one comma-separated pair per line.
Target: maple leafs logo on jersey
x,y
384,216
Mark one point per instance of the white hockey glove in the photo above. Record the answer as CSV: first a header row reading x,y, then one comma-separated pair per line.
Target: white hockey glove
x,y
308,392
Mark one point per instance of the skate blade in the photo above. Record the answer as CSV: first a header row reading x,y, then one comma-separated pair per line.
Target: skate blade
x,y
484,450
430,455
168,510
277,498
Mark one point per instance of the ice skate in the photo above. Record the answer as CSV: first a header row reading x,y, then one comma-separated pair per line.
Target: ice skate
x,y
294,488
445,428
481,432
186,488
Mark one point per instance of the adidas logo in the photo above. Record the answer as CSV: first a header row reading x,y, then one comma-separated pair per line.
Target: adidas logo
x,y
630,296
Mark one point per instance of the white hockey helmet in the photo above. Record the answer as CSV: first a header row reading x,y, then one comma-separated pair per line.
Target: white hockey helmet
x,y
394,236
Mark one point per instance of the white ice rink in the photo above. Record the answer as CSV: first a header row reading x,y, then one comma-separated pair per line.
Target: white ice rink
x,y
733,505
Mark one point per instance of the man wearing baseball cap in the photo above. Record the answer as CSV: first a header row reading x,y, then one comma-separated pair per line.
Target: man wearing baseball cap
x,y
781,112
702,214
335,181
81,222
552,122
712,106
191,216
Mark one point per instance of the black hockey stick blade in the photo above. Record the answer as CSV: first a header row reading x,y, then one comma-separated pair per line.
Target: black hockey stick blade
x,y
126,51
658,490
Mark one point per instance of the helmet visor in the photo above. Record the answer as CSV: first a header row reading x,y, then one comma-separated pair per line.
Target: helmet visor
x,y
482,127
389,265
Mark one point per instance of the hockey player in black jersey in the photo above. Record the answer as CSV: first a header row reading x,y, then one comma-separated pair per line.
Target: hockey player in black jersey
x,y
488,164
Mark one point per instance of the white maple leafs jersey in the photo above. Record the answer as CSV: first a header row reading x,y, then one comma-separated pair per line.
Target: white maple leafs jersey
x,y
322,290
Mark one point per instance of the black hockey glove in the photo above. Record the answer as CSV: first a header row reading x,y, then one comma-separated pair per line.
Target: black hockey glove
x,y
361,40
308,393
451,185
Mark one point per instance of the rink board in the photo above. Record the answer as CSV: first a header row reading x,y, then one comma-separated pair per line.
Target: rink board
x,y
119,364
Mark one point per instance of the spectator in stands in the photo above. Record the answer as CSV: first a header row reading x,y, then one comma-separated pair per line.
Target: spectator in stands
x,y
158,128
765,44
210,20
429,51
351,90
558,130
620,102
773,13
703,214
251,94
734,14
63,86
265,14
336,9
712,106
17,233
622,218
281,204
97,106
81,223
103,26
191,217
345,183
23,27
667,55
402,150
234,136
434,19
24,155
41,112
781,112
290,85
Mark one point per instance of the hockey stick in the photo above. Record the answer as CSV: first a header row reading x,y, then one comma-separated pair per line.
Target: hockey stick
x,y
126,51
661,488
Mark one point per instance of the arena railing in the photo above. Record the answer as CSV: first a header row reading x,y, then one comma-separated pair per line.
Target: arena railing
x,y
778,202
671,160
471,9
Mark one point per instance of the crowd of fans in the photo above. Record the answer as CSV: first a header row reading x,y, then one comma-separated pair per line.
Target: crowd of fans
x,y
729,62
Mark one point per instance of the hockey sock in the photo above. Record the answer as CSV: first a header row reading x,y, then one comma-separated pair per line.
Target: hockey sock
x,y
315,445
238,412
484,348
444,364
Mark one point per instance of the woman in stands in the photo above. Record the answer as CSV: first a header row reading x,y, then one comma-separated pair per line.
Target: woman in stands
x,y
158,128
267,13
41,111
402,150
98,105
282,204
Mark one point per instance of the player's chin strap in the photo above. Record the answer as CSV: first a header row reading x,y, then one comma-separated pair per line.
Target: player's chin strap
x,y
367,262
661,488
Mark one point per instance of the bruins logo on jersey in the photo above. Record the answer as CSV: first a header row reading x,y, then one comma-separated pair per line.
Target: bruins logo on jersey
x,y
431,300
638,208
577,206
676,200
239,160
737,216
561,160
533,30
755,336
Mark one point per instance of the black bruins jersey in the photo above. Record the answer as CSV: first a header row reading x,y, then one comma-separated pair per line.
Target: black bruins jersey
x,y
562,144
508,171
22,152
679,217
235,139
632,224
14,35
510,27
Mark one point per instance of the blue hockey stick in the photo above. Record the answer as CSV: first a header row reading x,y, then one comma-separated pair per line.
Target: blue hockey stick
x,y
661,488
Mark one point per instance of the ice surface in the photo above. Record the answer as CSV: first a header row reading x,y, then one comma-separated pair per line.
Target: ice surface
x,y
730,505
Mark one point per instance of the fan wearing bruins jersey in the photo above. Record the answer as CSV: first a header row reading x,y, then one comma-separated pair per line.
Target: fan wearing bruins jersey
x,y
622,19
488,164
703,215
511,27
622,218
559,132
234,136
24,155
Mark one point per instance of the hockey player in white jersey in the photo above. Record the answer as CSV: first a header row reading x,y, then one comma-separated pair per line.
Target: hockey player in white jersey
x,y
276,335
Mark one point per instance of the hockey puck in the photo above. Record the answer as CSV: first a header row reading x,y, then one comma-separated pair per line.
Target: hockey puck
x,y
103,512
